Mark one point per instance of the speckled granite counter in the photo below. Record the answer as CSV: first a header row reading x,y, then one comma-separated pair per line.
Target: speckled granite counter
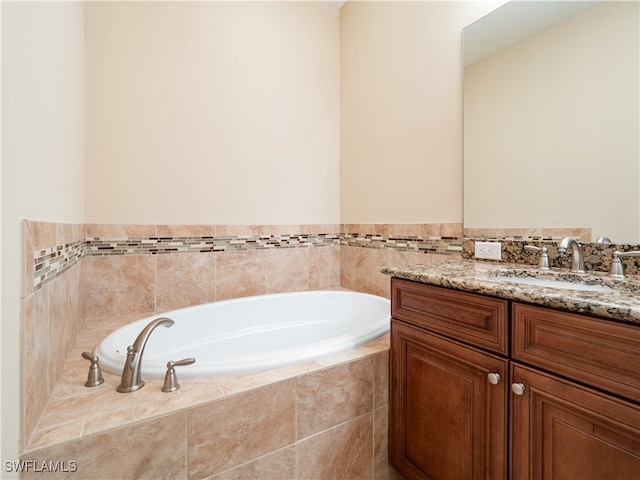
x,y
621,303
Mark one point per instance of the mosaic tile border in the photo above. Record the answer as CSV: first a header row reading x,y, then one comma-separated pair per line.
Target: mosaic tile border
x,y
432,245
166,245
53,262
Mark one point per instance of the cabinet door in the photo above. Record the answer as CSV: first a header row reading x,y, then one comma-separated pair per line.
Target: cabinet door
x,y
447,420
562,430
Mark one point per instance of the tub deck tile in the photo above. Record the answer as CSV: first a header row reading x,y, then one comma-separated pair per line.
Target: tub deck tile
x,y
75,411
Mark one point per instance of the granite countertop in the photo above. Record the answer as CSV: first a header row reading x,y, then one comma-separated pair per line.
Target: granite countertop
x,y
621,302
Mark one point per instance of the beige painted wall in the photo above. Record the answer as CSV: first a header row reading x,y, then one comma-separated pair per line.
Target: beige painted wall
x,y
401,151
42,156
224,117
212,112
552,126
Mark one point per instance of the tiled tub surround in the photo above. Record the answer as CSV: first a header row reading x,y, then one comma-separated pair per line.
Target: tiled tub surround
x,y
76,280
51,315
112,273
161,268
321,419
269,259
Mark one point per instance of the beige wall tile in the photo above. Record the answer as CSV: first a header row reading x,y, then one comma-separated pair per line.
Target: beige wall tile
x,y
402,230
44,437
348,273
41,234
376,346
28,268
369,261
185,279
158,403
450,230
382,470
343,452
35,236
287,270
104,230
324,267
232,384
334,395
153,450
119,285
61,334
381,379
397,257
186,230
362,228
240,273
34,359
581,234
319,228
64,233
286,229
279,465
239,230
243,427
348,227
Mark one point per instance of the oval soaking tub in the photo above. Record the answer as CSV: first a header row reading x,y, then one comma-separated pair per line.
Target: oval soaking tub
x,y
253,333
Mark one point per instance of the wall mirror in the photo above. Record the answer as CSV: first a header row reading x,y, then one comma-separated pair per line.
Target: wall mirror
x,y
552,118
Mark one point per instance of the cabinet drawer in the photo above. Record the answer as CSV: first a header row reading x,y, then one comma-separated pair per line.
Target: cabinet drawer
x,y
471,318
600,353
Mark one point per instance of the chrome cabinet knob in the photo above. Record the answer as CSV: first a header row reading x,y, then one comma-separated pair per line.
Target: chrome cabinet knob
x,y
494,378
518,388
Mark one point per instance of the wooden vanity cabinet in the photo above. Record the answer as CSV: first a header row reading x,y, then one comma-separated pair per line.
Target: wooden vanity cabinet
x,y
448,420
574,410
566,405
563,430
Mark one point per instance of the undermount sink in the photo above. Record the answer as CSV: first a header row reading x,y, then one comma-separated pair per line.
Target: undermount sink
x,y
555,283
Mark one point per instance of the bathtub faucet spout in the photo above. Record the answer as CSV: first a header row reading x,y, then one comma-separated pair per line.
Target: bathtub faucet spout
x,y
131,373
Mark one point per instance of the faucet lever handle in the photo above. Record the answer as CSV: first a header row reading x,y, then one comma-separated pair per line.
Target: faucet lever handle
x,y
95,374
616,270
170,379
543,263
181,363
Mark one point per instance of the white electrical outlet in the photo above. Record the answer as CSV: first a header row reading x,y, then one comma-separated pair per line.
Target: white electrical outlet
x,y
489,250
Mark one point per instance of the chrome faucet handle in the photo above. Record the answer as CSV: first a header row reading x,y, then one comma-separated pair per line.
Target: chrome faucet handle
x,y
95,374
543,262
603,239
616,270
170,379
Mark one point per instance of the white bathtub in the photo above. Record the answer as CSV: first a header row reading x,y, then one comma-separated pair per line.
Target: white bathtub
x,y
253,333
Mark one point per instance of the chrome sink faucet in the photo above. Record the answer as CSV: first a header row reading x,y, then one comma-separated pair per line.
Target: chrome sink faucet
x,y
131,373
577,261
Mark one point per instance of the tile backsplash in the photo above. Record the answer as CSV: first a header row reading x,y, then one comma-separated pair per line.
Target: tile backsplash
x,y
597,257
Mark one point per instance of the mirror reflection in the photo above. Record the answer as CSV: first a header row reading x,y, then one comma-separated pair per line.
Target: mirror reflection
x,y
552,121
